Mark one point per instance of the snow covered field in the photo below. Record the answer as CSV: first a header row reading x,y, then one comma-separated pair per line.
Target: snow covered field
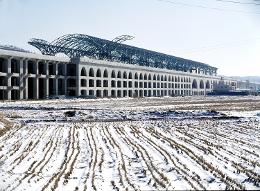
x,y
131,144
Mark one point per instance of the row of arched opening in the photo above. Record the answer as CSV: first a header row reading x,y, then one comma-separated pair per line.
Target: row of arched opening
x,y
131,75
140,76
202,85
130,84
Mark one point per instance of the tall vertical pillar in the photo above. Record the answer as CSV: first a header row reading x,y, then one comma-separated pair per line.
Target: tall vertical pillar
x,y
166,87
65,79
153,88
25,71
133,83
9,78
77,80
47,93
205,88
198,87
21,89
36,81
56,78
109,84
101,92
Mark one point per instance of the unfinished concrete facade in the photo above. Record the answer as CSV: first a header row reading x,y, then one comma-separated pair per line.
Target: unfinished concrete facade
x,y
31,76
35,76
110,79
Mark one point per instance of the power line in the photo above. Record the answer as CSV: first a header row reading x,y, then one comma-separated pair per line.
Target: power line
x,y
239,2
222,45
207,7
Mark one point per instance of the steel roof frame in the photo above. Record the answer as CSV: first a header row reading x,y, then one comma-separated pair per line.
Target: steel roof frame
x,y
80,45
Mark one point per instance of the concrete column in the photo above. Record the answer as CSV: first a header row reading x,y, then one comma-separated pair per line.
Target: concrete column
x,y
25,71
109,83
36,81
9,76
77,80
21,89
101,92
36,67
47,79
198,86
56,79
87,78
152,88
65,79
133,83
205,87
36,88
46,67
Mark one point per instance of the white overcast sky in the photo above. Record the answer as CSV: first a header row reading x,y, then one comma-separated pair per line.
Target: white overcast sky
x,y
220,33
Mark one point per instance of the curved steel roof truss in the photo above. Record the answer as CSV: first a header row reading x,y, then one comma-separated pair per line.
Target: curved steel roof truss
x,y
80,45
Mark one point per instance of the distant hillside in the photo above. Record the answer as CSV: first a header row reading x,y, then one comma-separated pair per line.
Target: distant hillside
x,y
250,78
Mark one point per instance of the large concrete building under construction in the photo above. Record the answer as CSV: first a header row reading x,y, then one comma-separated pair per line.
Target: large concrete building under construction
x,y
100,68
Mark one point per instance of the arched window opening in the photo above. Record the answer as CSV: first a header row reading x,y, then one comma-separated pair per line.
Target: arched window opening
x,y
207,85
125,75
161,78
105,75
136,76
98,73
130,75
201,84
140,76
83,72
113,74
194,84
145,76
118,74
91,72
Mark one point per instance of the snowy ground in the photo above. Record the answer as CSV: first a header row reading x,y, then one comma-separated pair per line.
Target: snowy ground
x,y
1,125
131,144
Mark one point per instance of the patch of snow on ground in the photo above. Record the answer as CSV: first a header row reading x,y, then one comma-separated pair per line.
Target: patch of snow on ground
x,y
136,144
2,126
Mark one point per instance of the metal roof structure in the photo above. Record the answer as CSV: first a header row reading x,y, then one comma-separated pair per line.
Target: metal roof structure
x,y
13,48
80,45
